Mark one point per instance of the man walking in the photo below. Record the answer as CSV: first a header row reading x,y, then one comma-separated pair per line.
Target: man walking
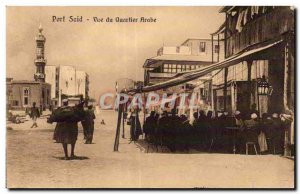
x,y
34,114
66,130
88,124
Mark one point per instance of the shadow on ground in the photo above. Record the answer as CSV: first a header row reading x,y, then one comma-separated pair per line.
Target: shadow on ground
x,y
75,158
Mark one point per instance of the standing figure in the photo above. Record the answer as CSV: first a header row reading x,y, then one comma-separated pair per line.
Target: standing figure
x,y
66,130
88,124
135,126
34,114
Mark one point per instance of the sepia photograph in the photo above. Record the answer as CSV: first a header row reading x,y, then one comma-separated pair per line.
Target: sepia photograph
x,y
150,97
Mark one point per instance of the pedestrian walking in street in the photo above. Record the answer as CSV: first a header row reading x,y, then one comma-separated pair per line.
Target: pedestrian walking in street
x,y
66,130
88,124
34,114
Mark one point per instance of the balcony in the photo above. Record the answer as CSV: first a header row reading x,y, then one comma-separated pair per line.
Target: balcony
x,y
263,28
40,60
161,75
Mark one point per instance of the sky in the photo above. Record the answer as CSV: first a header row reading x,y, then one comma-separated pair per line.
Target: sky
x,y
106,51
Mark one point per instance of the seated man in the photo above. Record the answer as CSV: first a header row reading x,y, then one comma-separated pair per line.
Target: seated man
x,y
251,130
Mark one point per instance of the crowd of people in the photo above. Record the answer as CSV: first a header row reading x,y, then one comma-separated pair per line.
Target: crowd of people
x,y
213,131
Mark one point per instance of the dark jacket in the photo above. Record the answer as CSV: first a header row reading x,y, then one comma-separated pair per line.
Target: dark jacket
x,y
34,112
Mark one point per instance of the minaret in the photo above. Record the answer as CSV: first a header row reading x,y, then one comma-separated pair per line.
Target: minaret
x,y
40,61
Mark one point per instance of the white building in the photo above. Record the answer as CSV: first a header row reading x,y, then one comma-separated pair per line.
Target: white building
x,y
50,78
66,80
67,83
80,83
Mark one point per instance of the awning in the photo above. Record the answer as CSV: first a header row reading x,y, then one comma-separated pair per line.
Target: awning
x,y
194,74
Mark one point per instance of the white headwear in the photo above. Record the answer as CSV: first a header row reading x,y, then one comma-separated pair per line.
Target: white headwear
x,y
275,115
253,116
237,112
65,100
220,114
225,113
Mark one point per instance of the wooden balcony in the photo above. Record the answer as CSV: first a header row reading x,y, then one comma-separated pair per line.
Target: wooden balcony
x,y
264,28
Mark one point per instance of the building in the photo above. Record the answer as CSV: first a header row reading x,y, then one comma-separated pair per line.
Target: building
x,y
259,46
192,54
66,81
51,78
209,49
81,82
40,60
22,93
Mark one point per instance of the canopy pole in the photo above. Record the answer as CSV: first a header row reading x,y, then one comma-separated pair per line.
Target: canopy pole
x,y
123,122
117,137
225,88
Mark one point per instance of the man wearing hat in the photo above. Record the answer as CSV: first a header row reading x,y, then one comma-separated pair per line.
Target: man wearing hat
x,y
88,124
34,114
251,129
278,131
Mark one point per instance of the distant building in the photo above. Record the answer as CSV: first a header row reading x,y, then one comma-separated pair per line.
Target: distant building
x,y
209,50
66,81
51,78
192,54
22,93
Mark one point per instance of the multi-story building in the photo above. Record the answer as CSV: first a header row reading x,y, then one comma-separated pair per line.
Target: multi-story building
x,y
51,78
66,81
192,54
209,49
259,46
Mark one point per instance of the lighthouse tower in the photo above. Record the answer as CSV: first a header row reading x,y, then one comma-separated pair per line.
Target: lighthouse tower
x,y
40,60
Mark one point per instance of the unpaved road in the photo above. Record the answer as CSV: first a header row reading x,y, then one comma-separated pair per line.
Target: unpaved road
x,y
34,161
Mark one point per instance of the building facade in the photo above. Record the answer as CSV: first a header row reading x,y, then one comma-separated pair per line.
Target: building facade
x,y
22,93
209,49
264,37
51,78
191,55
66,81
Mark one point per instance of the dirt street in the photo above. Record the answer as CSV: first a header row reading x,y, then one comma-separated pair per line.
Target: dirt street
x,y
34,161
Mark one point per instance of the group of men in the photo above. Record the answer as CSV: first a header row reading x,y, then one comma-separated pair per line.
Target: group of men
x,y
178,133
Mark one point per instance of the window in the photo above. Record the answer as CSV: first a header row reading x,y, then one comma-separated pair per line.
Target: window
x,y
166,68
15,103
187,67
177,49
179,68
26,96
217,48
170,68
202,47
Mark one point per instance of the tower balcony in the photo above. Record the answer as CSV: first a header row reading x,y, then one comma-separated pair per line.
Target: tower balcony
x,y
39,76
40,38
40,60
